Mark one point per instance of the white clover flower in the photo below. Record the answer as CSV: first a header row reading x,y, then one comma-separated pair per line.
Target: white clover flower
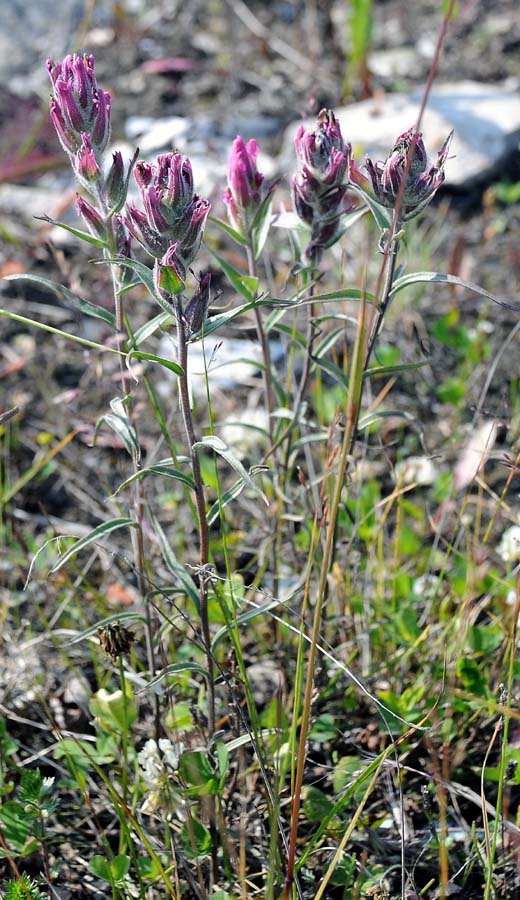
x,y
426,586
171,754
158,762
509,547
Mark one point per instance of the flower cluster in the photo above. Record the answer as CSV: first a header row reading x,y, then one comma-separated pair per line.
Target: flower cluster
x,y
80,112
386,178
319,186
243,196
79,107
158,763
171,225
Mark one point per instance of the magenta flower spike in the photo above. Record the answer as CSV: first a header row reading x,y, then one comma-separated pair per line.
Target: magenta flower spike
x,y
172,224
243,195
319,187
78,105
385,180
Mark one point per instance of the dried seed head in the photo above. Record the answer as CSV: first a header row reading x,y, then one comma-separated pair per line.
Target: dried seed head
x,y
115,639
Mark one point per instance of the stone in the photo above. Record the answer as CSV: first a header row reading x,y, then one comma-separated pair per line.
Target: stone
x,y
485,119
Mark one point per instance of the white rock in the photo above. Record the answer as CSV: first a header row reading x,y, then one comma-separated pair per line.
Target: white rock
x,y
157,134
485,119
229,362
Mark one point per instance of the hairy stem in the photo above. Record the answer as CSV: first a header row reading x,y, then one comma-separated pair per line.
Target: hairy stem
x,y
200,503
137,536
264,344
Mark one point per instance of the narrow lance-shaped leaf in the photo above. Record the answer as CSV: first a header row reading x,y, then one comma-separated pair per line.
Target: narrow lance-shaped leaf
x,y
120,423
174,565
149,328
160,360
82,235
440,278
69,298
246,285
93,629
100,532
165,471
232,232
212,442
261,224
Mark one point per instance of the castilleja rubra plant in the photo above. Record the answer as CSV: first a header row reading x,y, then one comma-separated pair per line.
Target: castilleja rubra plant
x,y
201,561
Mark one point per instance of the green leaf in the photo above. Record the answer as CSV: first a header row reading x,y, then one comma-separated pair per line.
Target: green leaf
x,y
225,500
316,805
200,846
246,285
439,278
119,422
343,294
227,229
145,331
93,629
472,677
16,827
82,235
69,298
145,275
261,224
112,710
165,471
381,216
212,442
247,616
382,371
174,669
197,772
160,360
100,532
324,729
100,867
119,867
41,326
174,565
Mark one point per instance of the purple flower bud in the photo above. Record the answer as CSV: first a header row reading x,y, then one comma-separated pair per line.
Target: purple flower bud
x,y
232,209
319,187
138,225
115,186
123,240
101,130
78,106
244,194
385,181
93,220
85,164
193,229
70,140
143,173
196,309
